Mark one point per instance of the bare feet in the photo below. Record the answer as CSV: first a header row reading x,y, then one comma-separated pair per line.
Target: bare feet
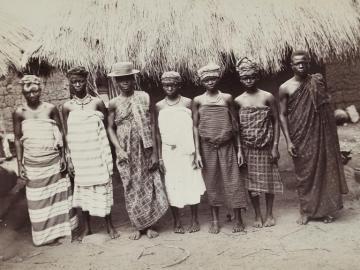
x,y
54,243
194,227
178,228
84,233
135,235
258,223
151,233
238,227
113,233
214,227
328,219
269,222
303,220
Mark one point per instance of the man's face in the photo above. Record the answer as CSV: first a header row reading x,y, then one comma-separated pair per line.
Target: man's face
x,y
32,93
300,65
210,83
125,83
248,79
171,88
77,83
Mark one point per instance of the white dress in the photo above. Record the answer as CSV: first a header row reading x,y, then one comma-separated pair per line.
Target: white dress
x,y
184,184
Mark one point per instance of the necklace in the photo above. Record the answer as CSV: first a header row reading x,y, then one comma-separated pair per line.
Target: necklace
x,y
82,101
212,99
172,104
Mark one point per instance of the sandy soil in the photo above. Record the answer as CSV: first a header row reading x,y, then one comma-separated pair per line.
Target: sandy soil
x,y
285,246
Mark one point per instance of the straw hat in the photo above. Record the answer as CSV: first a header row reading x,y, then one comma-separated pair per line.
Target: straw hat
x,y
122,69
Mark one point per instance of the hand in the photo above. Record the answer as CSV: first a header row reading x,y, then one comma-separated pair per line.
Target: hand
x,y
70,168
162,166
22,172
198,161
154,161
63,164
291,149
275,154
121,155
240,158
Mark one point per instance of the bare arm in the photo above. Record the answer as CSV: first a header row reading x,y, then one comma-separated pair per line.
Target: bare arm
x,y
283,97
196,120
232,107
55,115
100,106
17,119
157,132
111,125
275,118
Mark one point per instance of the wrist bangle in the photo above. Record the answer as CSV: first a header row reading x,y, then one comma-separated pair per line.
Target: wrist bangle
x,y
160,159
275,143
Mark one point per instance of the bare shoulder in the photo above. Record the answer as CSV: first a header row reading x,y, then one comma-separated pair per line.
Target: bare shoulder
x,y
186,101
284,88
239,98
19,111
227,97
198,99
160,105
267,95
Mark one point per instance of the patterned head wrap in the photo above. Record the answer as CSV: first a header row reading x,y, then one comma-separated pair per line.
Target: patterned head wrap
x,y
32,79
79,70
171,76
210,70
244,65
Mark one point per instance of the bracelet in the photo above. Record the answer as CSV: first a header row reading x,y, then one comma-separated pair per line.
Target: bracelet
x,y
160,159
275,143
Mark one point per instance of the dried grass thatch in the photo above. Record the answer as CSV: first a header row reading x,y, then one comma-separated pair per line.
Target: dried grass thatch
x,y
159,35
13,38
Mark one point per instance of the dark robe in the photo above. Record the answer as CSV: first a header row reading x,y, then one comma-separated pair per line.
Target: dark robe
x,y
318,168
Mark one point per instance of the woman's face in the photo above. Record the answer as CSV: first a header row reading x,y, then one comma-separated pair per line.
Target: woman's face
x,y
77,83
125,83
171,88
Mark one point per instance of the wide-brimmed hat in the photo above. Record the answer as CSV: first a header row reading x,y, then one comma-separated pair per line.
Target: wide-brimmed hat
x,y
122,69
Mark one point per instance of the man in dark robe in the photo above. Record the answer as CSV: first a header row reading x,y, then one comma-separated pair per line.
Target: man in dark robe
x,y
310,131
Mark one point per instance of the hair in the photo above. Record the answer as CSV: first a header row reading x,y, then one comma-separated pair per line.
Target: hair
x,y
300,53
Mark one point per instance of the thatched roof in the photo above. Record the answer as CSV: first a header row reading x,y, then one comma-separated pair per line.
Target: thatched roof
x,y
159,35
13,38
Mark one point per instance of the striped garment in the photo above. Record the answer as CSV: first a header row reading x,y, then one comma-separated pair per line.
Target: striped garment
x,y
48,191
257,132
92,160
221,171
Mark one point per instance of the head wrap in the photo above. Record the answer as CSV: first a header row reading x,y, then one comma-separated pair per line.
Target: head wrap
x,y
245,65
81,71
210,70
30,79
171,76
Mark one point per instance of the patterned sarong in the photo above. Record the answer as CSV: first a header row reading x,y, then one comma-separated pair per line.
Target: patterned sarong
x,y
184,184
221,171
144,192
318,168
91,156
48,192
256,130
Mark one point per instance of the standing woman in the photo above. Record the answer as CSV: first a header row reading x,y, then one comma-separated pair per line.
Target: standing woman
x,y
89,156
132,131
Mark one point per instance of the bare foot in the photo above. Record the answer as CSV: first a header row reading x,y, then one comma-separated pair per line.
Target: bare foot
x,y
238,227
328,219
258,223
84,233
113,233
269,222
54,243
135,235
151,233
303,220
179,229
214,227
194,227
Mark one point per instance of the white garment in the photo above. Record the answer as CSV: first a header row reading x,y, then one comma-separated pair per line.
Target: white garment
x,y
184,184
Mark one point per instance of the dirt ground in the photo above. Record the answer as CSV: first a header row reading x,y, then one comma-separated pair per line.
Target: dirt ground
x,y
285,246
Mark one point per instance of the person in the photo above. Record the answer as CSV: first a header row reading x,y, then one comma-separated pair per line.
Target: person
x,y
310,131
132,131
175,141
41,163
89,155
215,130
259,130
